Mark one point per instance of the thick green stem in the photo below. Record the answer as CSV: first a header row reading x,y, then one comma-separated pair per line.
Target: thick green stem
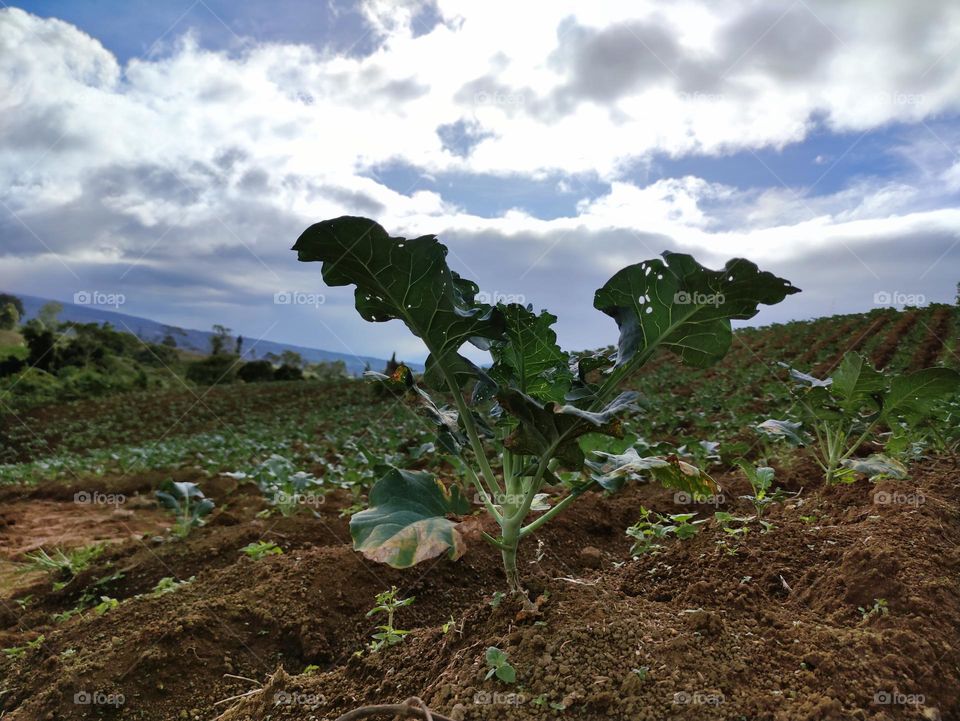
x,y
471,428
510,539
555,511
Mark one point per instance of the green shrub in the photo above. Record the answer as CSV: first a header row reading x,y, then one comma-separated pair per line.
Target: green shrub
x,y
256,371
213,370
288,373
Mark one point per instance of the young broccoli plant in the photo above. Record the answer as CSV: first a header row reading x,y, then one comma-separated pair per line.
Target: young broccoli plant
x,y
388,604
848,409
653,527
499,666
524,417
763,493
187,503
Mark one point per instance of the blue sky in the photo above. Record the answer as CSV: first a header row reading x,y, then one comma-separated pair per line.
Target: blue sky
x,y
173,151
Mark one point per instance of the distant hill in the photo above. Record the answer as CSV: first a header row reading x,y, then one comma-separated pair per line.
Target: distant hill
x,y
194,340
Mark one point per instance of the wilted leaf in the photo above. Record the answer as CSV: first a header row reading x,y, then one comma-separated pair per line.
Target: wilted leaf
x,y
406,522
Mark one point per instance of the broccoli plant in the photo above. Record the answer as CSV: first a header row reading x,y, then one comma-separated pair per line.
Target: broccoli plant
x,y
848,409
760,479
653,527
518,422
187,503
388,604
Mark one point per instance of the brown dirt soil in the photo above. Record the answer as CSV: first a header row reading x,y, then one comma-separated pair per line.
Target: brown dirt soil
x,y
761,627
860,337
884,353
931,347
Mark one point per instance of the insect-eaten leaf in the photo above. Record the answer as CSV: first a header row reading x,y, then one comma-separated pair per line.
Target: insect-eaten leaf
x,y
403,279
407,522
681,305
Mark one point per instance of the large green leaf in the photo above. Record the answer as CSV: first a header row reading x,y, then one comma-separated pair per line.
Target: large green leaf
x,y
530,360
856,381
679,304
406,522
403,279
913,395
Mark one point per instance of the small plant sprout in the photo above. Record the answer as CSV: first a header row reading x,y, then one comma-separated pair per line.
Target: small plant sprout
x,y
62,564
168,584
653,527
18,651
761,483
536,411
499,666
187,503
106,604
879,608
261,549
848,409
388,604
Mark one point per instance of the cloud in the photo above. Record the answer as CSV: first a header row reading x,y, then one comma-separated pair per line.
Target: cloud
x,y
182,179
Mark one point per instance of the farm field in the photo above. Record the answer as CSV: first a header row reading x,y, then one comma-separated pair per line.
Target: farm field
x,y
435,360
850,593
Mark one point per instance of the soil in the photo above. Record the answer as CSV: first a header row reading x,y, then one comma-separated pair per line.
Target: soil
x,y
931,347
884,353
765,626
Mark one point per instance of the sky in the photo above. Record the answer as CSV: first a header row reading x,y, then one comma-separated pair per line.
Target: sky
x,y
169,154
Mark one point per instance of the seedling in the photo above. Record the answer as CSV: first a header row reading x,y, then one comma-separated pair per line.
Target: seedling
x,y
497,598
285,488
761,482
106,604
168,584
526,416
18,651
499,666
846,410
187,503
879,608
63,565
388,604
653,527
261,549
